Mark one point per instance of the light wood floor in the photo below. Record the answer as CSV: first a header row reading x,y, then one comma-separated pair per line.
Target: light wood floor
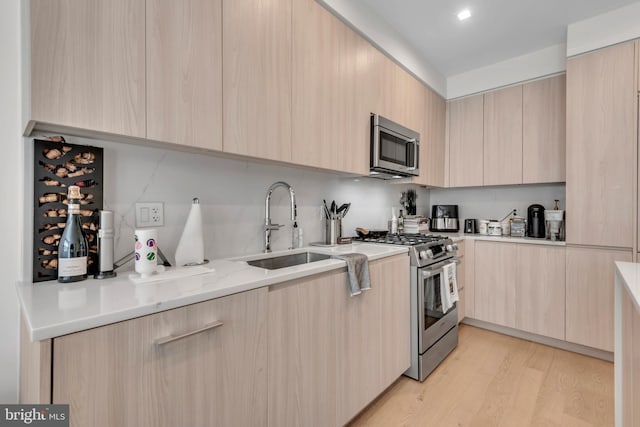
x,y
492,380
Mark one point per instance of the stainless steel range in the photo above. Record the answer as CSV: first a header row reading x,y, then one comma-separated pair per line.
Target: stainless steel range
x,y
434,332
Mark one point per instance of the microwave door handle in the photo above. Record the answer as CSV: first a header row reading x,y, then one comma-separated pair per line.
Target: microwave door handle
x,y
415,158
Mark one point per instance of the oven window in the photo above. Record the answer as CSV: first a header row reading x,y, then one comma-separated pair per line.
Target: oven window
x,y
395,150
432,301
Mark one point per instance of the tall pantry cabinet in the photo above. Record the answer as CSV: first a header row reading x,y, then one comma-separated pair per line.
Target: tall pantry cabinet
x,y
601,173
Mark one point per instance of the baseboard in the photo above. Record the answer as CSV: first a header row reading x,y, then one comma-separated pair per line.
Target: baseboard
x,y
552,342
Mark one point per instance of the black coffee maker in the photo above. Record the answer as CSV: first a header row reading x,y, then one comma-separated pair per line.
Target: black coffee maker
x,y
535,221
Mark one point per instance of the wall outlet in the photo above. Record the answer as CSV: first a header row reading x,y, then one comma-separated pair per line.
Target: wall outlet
x,y
150,214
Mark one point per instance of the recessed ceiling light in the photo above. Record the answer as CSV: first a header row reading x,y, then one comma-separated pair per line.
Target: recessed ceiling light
x,y
464,14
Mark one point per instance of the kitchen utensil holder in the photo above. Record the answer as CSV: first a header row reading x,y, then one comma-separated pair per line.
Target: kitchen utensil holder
x,y
332,231
57,165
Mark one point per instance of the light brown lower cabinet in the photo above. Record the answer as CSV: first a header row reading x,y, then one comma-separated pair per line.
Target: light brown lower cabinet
x,y
521,286
495,283
461,275
302,351
589,301
121,375
540,291
331,354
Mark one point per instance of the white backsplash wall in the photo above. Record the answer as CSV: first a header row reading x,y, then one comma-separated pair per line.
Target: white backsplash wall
x,y
496,202
232,195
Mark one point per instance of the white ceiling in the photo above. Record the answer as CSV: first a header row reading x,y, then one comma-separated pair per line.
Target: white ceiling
x,y
497,30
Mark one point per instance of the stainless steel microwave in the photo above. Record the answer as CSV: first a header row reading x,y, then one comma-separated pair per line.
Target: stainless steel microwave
x,y
394,149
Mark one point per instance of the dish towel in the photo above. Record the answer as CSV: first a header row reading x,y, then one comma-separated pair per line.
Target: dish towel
x,y
358,269
448,287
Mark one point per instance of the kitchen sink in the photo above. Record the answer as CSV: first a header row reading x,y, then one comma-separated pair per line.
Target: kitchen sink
x,y
283,261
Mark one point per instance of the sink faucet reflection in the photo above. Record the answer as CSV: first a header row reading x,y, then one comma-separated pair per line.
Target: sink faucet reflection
x,y
268,226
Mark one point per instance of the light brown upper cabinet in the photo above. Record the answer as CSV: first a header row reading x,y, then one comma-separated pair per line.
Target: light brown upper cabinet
x,y
331,95
543,130
257,78
466,141
601,147
88,64
184,72
432,140
503,136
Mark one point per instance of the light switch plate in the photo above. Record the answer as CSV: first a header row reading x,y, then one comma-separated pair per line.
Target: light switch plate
x,y
150,214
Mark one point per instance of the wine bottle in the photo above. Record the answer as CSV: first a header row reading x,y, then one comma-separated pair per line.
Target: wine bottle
x,y
401,223
73,248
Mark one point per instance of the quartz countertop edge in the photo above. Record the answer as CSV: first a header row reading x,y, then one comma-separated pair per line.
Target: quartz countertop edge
x,y
54,309
629,272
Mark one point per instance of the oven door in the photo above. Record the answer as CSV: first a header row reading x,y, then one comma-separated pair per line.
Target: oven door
x,y
433,322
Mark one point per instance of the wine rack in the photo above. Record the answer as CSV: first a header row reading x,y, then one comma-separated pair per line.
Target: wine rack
x,y
57,165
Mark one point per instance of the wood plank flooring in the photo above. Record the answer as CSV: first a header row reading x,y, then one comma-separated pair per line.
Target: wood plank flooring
x,y
493,380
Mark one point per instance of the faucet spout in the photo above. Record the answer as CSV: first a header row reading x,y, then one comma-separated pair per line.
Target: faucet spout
x,y
268,226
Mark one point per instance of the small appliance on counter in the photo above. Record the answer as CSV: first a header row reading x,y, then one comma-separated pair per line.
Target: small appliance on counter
x,y
535,221
483,226
494,228
518,226
444,218
470,226
554,223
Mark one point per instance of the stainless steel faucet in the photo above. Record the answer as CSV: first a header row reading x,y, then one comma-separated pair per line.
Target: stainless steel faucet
x,y
268,226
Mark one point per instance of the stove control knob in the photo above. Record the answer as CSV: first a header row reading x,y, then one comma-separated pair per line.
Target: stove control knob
x,y
426,254
451,248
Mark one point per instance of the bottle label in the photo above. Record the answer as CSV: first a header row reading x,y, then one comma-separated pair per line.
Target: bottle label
x,y
72,266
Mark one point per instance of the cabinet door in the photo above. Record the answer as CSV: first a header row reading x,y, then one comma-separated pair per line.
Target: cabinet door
x,y
432,143
88,64
302,352
391,277
544,130
358,349
469,278
460,276
116,376
184,72
540,292
257,78
466,141
503,136
601,147
589,300
331,108
495,283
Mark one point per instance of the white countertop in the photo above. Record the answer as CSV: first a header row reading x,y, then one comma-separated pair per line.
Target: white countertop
x,y
527,240
53,309
630,274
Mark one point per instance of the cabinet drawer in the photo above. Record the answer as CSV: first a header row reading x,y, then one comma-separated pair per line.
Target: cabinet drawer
x,y
121,374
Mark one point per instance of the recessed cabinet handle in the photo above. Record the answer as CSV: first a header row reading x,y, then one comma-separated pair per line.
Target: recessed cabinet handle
x,y
171,338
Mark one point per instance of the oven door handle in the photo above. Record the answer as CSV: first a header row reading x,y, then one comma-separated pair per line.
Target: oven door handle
x,y
436,269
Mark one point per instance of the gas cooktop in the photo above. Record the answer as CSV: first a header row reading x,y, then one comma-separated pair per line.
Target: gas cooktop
x,y
425,249
404,239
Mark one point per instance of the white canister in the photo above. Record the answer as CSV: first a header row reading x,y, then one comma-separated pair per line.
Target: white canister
x,y
494,228
146,251
506,228
483,226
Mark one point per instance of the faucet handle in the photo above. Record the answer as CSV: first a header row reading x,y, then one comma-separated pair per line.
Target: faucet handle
x,y
273,226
